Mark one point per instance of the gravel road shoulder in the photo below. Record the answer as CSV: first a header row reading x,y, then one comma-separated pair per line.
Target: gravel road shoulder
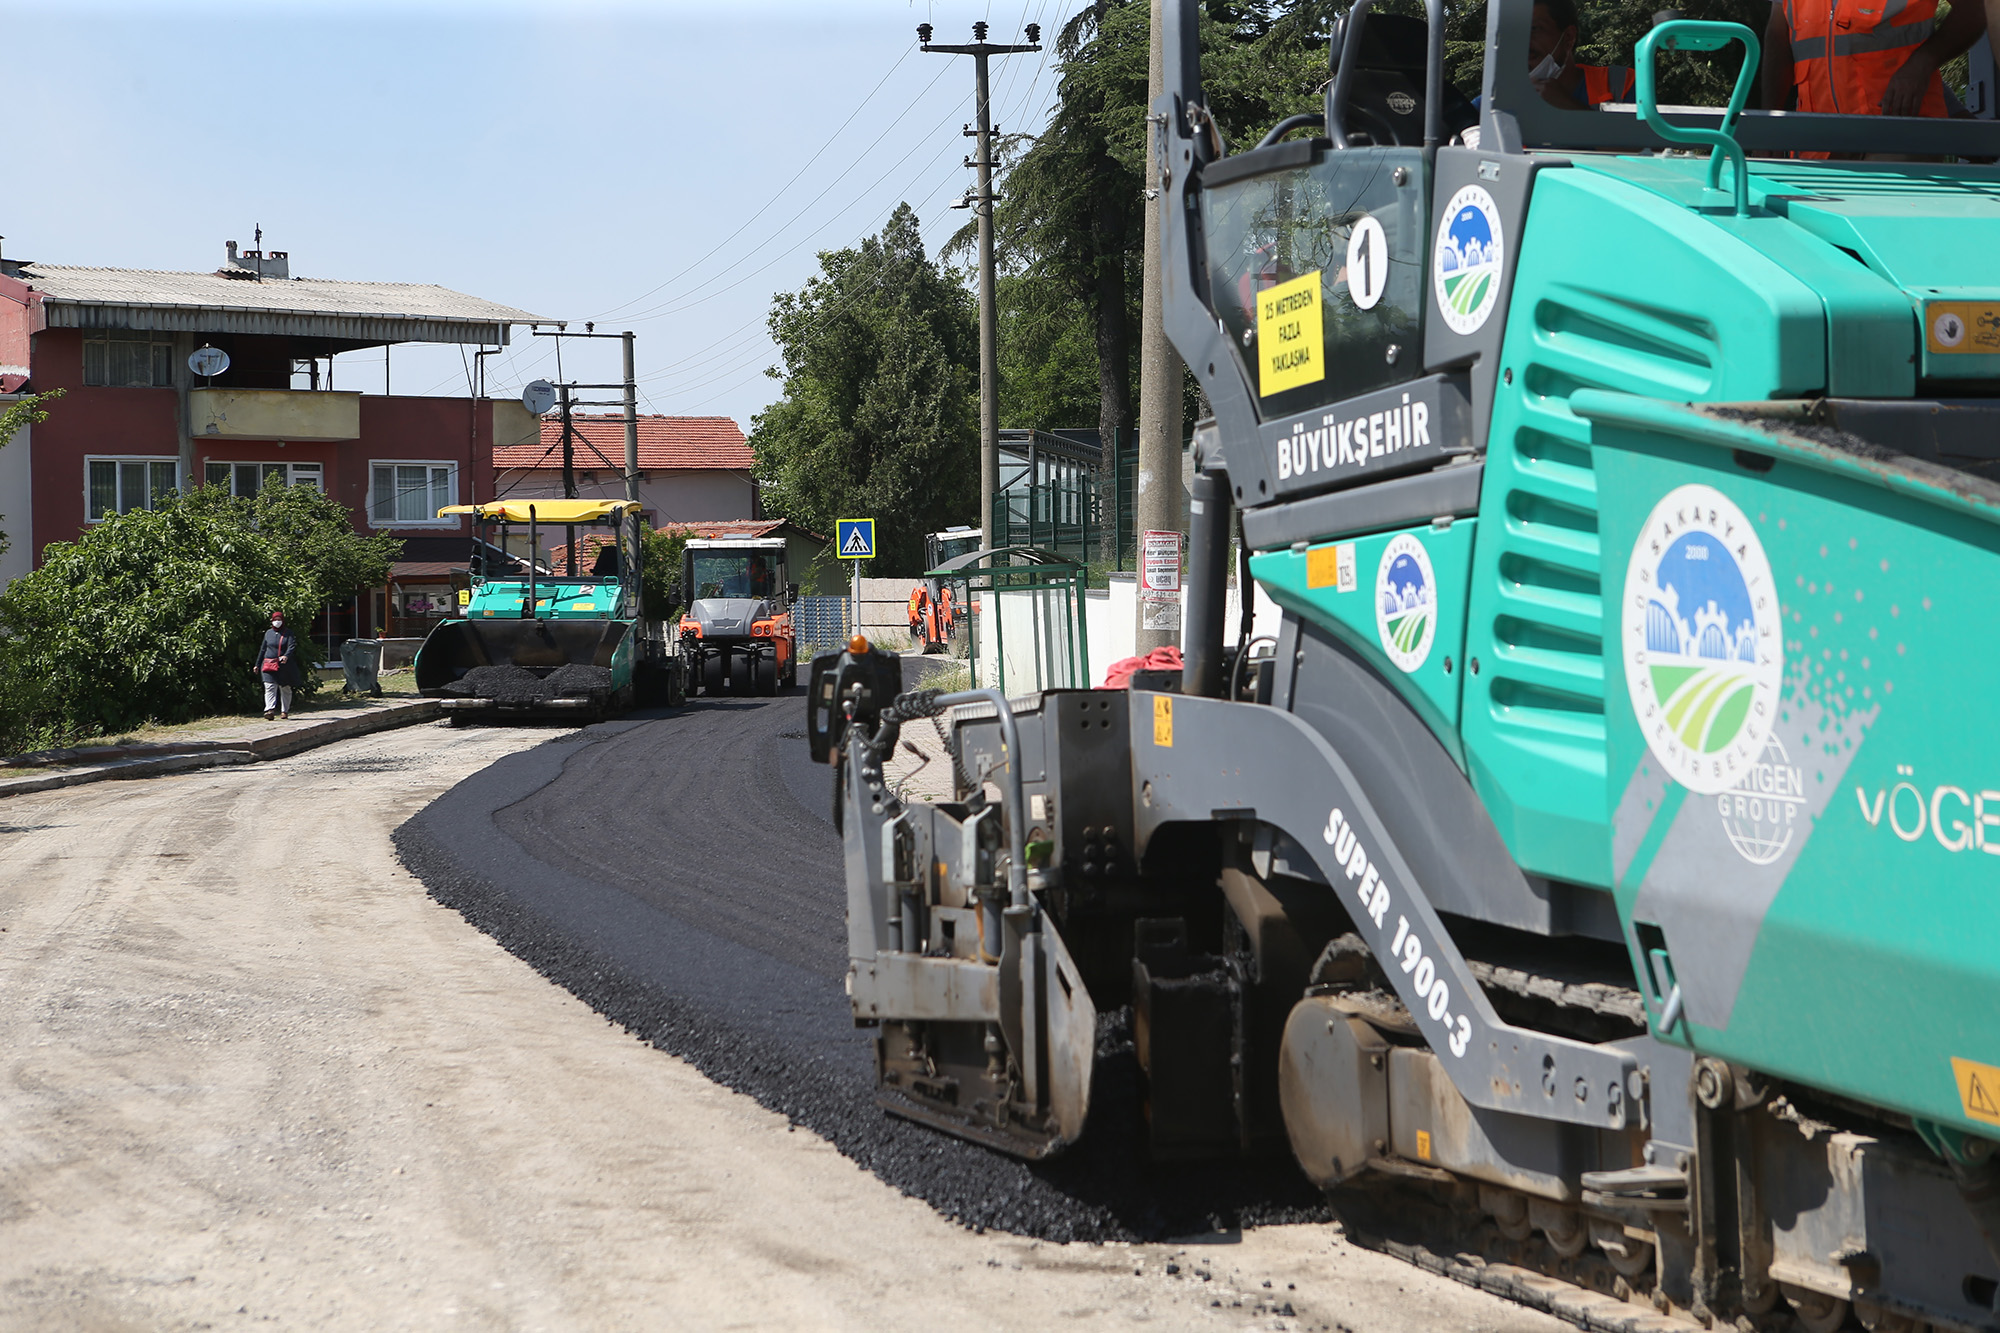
x,y
255,1076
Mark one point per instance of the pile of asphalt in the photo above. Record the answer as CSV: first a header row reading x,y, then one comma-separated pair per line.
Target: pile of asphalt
x,y
701,907
575,678
511,684
514,684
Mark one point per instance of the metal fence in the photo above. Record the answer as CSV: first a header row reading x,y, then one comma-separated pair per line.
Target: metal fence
x,y
1057,495
821,623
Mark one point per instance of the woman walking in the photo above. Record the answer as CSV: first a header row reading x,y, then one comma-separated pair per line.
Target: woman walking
x,y
276,660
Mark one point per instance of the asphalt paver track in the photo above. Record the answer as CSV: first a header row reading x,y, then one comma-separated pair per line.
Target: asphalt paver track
x,y
679,873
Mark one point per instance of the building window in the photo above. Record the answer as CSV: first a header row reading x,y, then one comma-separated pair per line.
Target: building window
x,y
120,358
120,485
246,479
403,493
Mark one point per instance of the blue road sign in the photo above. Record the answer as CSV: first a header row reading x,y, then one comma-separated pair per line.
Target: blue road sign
x,y
854,538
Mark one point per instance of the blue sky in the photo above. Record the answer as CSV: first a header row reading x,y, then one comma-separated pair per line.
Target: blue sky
x,y
576,160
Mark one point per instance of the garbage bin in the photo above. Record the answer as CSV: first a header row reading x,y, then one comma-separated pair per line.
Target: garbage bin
x,y
361,663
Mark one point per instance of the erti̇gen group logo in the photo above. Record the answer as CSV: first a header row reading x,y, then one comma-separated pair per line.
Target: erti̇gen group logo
x,y
1701,639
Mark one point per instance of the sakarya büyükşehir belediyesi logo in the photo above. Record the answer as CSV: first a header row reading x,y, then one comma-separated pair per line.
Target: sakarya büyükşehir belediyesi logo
x,y
1405,602
1467,260
1701,634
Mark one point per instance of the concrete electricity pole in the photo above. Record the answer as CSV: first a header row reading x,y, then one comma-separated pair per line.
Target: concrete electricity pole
x,y
1156,500
631,422
982,203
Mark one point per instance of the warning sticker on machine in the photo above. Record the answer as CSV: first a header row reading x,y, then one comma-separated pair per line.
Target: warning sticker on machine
x,y
1291,342
1331,567
1962,326
1978,1089
1163,721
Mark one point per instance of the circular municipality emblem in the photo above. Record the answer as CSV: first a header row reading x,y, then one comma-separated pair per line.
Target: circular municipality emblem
x,y
1701,639
1948,329
1406,602
1465,263
1760,812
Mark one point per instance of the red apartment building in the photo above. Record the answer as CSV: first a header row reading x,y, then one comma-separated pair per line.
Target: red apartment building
x,y
136,421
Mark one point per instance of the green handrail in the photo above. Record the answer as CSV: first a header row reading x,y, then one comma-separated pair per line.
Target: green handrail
x,y
1703,35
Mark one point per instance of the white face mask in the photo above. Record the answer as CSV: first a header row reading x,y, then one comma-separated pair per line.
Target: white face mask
x,y
277,624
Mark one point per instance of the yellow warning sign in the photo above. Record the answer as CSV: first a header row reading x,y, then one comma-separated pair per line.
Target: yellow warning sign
x,y
1331,567
1322,567
1163,721
1956,327
1978,1089
1424,1144
1291,341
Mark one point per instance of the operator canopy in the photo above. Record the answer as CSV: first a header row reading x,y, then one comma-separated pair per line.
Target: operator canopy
x,y
548,511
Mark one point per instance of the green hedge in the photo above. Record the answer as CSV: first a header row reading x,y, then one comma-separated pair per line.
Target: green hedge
x,y
155,615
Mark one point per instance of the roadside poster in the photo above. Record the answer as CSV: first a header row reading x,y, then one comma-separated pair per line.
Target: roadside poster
x,y
1160,565
1160,581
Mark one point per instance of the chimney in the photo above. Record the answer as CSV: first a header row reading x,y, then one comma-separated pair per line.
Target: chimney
x,y
231,246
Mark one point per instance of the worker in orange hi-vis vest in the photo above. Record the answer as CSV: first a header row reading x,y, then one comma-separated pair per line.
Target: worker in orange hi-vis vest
x,y
1553,67
1863,57
919,603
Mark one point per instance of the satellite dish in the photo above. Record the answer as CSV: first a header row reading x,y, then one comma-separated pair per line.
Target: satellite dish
x,y
539,396
207,361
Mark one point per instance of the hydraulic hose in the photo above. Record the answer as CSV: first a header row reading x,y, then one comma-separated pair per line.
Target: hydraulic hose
x,y
929,703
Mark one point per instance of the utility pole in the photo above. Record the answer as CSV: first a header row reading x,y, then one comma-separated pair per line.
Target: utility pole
x,y
1156,485
982,203
569,448
629,402
631,423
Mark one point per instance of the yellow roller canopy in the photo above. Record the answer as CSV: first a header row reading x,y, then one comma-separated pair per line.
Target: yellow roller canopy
x,y
548,511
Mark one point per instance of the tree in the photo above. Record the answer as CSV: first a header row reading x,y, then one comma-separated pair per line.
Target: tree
x,y
878,416
316,537
151,615
660,571
28,412
155,614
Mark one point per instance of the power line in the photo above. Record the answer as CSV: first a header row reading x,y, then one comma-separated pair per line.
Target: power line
x,y
669,307
825,315
787,254
830,141
761,330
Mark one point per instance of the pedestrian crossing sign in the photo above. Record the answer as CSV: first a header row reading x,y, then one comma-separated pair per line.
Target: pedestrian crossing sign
x,y
854,538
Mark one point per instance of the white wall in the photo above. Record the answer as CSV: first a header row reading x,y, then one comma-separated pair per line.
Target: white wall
x,y
16,491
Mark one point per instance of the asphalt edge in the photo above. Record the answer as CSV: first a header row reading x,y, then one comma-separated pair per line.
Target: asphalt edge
x,y
293,741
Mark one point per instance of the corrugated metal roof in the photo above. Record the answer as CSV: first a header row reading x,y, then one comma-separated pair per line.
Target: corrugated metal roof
x,y
84,297
665,443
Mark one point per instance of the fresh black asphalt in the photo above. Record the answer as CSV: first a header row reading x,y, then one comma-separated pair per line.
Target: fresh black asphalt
x,y
679,872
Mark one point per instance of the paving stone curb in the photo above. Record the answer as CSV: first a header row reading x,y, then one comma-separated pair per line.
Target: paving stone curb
x,y
145,761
